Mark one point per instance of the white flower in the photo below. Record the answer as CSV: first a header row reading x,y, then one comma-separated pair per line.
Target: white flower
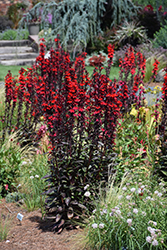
x,y
156,192
159,194
37,176
118,212
128,184
101,225
119,197
155,242
149,239
94,225
143,213
135,211
31,177
129,221
151,230
94,211
117,208
133,189
105,211
87,193
124,188
154,223
128,197
24,163
86,186
148,198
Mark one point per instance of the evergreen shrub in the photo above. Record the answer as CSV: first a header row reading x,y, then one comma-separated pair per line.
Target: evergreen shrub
x,y
161,37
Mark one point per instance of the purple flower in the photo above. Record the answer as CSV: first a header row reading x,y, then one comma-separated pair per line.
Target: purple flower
x,y
50,18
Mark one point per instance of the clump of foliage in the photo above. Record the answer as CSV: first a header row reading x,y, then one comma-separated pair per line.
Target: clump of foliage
x,y
134,138
15,12
161,37
78,22
5,23
11,34
10,162
13,197
149,20
5,225
129,33
122,213
97,60
155,4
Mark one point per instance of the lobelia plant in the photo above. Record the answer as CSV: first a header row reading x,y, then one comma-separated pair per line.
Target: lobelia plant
x,y
80,113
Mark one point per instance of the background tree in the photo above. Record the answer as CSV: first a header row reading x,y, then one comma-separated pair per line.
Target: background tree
x,y
78,22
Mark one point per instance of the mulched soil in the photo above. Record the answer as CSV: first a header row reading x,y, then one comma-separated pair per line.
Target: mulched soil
x,y
33,233
154,84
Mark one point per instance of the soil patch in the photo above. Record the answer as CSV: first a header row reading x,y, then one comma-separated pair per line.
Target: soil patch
x,y
153,84
33,233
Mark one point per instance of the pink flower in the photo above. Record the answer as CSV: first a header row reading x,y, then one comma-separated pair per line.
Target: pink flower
x,y
6,187
148,239
129,221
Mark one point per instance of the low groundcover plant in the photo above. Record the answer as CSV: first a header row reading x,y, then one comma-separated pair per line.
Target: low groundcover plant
x,y
130,216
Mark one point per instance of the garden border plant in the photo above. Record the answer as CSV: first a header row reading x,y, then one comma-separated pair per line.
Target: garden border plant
x,y
81,114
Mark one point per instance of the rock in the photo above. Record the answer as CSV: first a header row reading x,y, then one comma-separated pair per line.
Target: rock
x,y
160,76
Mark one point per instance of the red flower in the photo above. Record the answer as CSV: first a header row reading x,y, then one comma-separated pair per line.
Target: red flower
x,y
160,8
6,187
148,7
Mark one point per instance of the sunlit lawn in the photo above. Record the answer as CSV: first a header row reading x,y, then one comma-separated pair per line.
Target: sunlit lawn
x,y
15,69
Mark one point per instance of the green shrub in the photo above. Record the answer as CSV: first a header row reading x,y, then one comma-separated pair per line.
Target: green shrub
x,y
22,34
161,37
19,34
9,35
10,161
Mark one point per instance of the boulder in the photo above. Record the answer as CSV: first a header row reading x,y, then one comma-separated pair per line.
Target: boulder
x,y
160,76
